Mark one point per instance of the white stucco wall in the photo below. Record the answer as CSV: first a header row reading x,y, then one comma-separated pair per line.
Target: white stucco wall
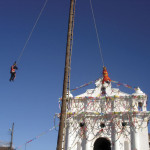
x,y
112,109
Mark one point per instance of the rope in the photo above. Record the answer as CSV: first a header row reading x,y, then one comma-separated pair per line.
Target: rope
x,y
97,34
36,137
32,31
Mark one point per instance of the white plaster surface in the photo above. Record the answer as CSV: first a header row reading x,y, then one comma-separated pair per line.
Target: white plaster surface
x,y
112,112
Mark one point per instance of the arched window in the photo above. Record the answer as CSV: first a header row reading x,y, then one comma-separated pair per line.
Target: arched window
x,y
140,105
102,144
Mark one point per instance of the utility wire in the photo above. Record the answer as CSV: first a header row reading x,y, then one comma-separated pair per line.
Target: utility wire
x,y
31,31
97,34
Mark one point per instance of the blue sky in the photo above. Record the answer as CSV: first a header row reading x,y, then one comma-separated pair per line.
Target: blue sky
x,y
32,99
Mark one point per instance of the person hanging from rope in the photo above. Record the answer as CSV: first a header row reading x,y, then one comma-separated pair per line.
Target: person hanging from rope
x,y
105,79
105,76
13,71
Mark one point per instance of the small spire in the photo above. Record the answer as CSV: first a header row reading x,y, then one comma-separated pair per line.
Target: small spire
x,y
105,76
138,92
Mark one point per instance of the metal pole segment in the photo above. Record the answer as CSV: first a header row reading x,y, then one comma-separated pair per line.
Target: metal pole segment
x,y
12,132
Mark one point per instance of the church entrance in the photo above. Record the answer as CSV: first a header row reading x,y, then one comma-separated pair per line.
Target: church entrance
x,y
102,144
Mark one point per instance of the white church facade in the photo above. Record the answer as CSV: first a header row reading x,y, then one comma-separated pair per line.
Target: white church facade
x,y
104,118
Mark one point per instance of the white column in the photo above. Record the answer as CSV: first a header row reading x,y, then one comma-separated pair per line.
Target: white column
x,y
143,136
144,106
116,142
83,144
67,144
136,138
88,143
70,137
114,138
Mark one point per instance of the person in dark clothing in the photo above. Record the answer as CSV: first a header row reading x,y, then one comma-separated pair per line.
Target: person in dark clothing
x,y
13,71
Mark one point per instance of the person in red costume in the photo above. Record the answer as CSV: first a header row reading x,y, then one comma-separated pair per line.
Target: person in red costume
x,y
105,76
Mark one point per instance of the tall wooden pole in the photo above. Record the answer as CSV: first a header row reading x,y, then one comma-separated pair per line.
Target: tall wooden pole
x,y
12,132
66,71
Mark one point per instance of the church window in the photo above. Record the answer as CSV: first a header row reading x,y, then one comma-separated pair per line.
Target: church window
x,y
102,125
140,105
124,124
